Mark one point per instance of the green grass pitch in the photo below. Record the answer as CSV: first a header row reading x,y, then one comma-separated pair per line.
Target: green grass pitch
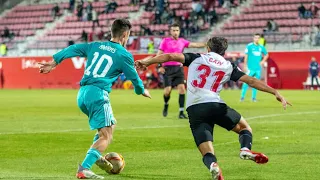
x,y
43,135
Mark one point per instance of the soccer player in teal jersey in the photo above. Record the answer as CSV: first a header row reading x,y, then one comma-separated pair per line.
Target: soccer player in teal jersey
x,y
105,62
252,64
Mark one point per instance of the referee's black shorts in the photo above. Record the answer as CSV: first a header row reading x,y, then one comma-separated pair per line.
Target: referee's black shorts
x,y
212,113
173,76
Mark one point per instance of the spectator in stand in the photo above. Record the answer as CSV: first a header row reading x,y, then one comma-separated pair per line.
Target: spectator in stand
x,y
146,30
157,16
314,71
172,16
165,16
272,26
3,49
80,11
160,5
151,47
262,40
185,27
316,35
70,41
193,29
89,9
55,10
197,7
95,19
150,5
101,35
302,11
200,23
212,17
111,7
6,33
91,36
71,5
313,10
84,36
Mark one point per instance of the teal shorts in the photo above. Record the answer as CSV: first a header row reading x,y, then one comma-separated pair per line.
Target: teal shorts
x,y
254,73
95,103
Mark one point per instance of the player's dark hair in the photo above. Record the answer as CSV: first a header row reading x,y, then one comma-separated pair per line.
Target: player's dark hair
x,y
174,25
257,34
218,45
119,26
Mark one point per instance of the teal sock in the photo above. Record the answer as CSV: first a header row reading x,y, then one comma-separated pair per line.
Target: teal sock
x,y
244,90
96,137
254,93
91,157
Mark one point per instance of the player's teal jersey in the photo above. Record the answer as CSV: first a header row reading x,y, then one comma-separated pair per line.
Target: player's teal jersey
x,y
255,53
105,62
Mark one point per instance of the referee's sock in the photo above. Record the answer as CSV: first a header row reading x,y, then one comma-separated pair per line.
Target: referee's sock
x,y
166,99
181,102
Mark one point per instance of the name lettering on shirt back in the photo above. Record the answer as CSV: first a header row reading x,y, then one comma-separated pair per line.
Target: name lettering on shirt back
x,y
215,61
107,48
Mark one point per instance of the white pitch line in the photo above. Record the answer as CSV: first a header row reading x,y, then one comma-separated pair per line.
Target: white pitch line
x,y
159,127
285,114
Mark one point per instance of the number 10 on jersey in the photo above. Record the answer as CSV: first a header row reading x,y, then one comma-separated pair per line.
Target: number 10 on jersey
x,y
98,65
204,74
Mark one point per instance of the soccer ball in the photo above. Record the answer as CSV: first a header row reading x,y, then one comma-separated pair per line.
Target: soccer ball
x,y
117,161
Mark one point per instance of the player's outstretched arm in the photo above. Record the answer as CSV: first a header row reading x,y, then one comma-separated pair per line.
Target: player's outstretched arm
x,y
47,67
130,72
197,45
75,50
142,64
71,51
255,83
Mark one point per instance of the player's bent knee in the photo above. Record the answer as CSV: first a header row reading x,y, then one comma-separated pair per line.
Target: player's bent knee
x,y
106,133
242,125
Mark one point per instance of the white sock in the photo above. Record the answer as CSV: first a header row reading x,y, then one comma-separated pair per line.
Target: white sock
x,y
244,149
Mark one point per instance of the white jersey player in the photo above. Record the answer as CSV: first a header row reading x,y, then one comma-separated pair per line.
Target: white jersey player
x,y
206,75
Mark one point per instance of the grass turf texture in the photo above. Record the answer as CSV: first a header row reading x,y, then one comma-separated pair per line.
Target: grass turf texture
x,y
43,135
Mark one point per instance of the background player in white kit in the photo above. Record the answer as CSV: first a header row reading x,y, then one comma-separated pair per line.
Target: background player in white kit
x,y
207,74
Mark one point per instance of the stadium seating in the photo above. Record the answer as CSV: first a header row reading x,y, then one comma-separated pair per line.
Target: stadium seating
x,y
254,19
25,20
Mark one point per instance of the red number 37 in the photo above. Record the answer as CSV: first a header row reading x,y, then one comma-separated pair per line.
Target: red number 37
x,y
203,77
